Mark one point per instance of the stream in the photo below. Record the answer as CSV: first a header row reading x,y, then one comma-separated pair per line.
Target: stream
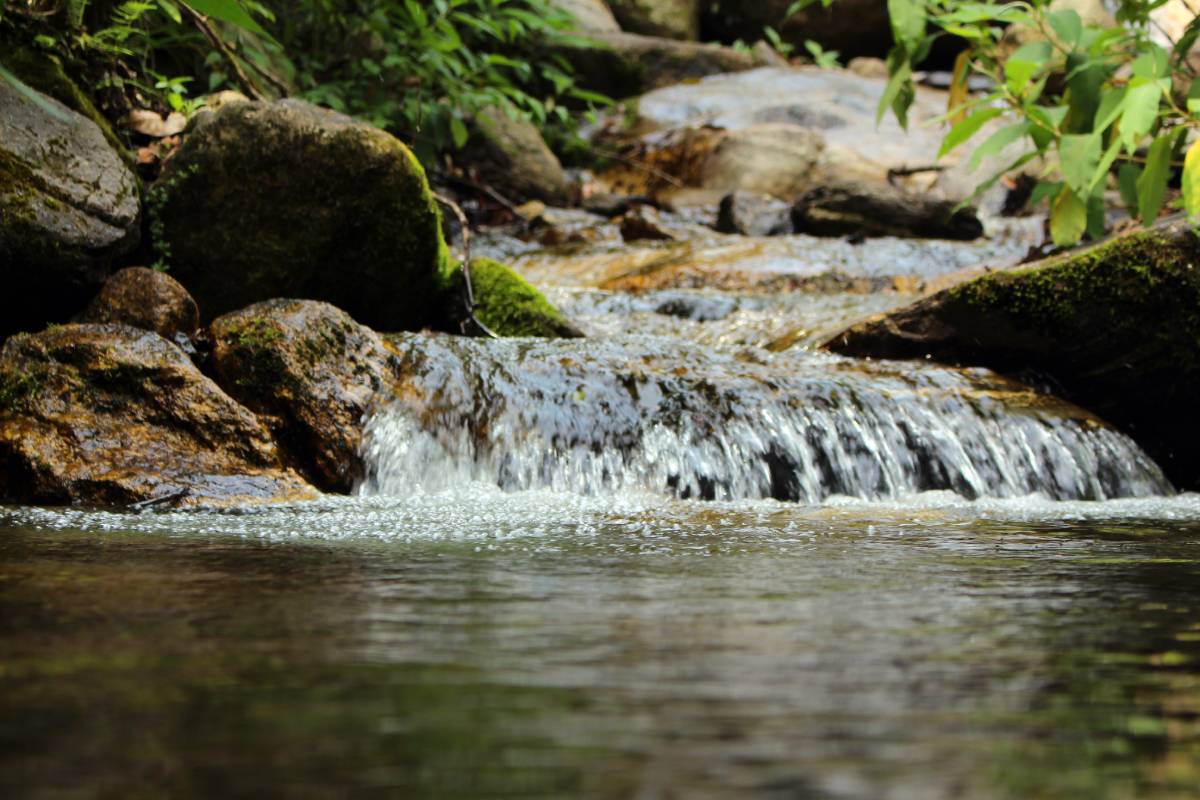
x,y
689,556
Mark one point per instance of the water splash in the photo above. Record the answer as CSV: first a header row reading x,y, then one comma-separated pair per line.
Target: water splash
x,y
641,414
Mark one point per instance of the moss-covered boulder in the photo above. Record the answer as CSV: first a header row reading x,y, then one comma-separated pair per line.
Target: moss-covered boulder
x,y
68,209
286,199
507,304
310,371
1114,328
675,19
146,299
511,156
113,415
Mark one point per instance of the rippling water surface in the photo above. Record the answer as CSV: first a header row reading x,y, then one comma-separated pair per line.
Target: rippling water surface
x,y
475,643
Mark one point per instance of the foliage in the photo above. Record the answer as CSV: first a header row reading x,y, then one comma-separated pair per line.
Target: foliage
x,y
1090,99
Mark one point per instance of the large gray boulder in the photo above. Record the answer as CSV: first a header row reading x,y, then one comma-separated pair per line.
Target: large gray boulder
x,y
286,199
68,208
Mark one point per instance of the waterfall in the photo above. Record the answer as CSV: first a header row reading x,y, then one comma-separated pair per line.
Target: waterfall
x,y
625,414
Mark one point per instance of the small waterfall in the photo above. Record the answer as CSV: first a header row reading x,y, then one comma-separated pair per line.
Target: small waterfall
x,y
612,415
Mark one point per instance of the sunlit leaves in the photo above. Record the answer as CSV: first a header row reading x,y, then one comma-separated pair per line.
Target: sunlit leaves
x,y
1191,180
1152,184
1068,218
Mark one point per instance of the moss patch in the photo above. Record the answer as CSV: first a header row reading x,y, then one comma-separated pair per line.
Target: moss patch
x,y
508,305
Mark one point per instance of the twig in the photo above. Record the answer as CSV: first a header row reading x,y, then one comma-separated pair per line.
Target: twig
x,y
467,183
468,289
270,77
201,23
902,172
142,505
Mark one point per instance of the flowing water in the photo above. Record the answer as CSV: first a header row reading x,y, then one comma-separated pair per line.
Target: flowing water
x,y
686,558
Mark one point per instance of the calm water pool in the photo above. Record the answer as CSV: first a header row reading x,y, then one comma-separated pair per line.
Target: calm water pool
x,y
481,644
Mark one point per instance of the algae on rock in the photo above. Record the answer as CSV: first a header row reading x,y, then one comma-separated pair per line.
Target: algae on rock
x,y
508,304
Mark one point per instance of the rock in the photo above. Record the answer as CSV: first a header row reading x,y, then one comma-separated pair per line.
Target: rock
x,y
852,27
285,199
68,209
113,415
1113,328
699,166
511,156
509,305
591,16
625,64
674,19
310,371
642,223
146,299
880,210
754,215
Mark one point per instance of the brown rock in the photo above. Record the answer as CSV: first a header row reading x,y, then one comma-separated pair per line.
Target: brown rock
x,y
113,415
312,371
882,210
147,299
642,223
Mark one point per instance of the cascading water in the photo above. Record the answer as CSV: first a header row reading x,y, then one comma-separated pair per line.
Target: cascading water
x,y
620,414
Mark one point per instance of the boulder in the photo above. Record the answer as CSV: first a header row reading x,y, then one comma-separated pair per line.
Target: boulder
x,y
146,299
310,371
591,16
1114,328
674,19
113,415
852,27
851,209
68,209
511,156
752,214
643,224
508,305
624,65
286,199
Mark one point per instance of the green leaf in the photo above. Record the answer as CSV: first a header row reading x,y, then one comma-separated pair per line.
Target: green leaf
x,y
459,132
1152,184
899,93
1191,180
908,22
171,10
1086,84
997,142
1068,218
1043,191
1111,107
1127,178
1067,26
1023,63
1079,155
1106,162
228,11
1140,112
1152,64
1097,215
966,129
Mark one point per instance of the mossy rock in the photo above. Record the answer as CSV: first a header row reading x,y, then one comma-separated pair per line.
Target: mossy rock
x,y
674,19
1114,328
286,199
510,155
507,304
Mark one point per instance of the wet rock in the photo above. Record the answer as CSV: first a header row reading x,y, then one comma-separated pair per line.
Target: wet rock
x,y
852,27
113,415
1113,328
591,16
625,64
310,371
68,209
146,299
642,223
674,19
851,209
285,199
508,305
511,156
754,215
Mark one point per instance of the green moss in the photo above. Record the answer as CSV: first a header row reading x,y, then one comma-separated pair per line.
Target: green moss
x,y
18,388
45,73
508,305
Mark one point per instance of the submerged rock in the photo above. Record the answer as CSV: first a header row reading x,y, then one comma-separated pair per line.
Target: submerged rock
x,y
285,199
147,299
509,305
674,19
113,415
310,371
880,210
68,208
511,156
1114,328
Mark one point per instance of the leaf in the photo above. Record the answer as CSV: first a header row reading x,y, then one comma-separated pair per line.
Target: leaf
x,y
1106,162
1140,112
1067,25
1023,63
966,129
1079,155
1187,41
908,22
1127,177
899,93
1086,84
958,88
997,142
1152,184
1068,218
1097,215
458,132
1111,106
228,11
1191,180
1044,190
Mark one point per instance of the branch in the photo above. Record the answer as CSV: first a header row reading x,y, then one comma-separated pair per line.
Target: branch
x,y
468,289
202,24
